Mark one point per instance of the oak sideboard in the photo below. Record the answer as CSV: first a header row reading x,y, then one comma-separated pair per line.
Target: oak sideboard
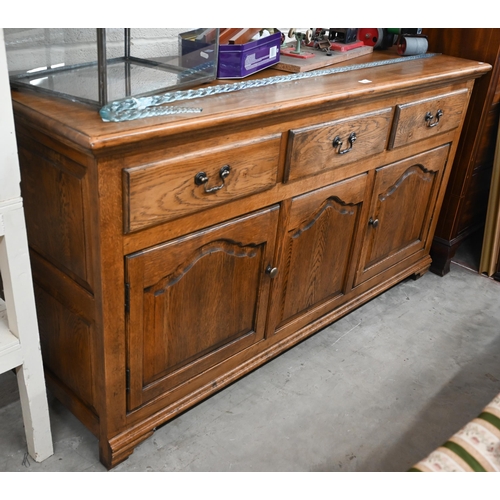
x,y
172,255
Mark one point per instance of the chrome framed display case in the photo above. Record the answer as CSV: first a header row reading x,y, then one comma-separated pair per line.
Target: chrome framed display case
x,y
101,65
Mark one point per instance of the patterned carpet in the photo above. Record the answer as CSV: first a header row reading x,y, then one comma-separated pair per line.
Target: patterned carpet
x,y
475,448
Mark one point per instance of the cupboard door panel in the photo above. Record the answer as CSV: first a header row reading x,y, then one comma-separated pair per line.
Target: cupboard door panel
x,y
318,248
169,345
401,211
196,301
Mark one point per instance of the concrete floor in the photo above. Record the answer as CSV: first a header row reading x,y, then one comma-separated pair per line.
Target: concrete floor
x,y
376,391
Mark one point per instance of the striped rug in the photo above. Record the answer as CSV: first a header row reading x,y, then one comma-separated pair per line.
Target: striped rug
x,y
475,448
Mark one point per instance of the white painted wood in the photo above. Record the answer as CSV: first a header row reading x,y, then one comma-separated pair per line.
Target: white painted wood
x,y
9,170
19,336
10,347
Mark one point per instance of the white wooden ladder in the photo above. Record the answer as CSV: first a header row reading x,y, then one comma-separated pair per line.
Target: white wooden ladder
x,y
19,336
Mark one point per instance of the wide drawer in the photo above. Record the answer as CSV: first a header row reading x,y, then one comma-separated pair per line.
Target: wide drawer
x,y
419,120
314,149
175,187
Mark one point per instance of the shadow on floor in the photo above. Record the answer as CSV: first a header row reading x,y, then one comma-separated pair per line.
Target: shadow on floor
x,y
455,404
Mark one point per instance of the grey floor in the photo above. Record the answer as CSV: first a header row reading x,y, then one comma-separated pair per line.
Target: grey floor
x,y
375,391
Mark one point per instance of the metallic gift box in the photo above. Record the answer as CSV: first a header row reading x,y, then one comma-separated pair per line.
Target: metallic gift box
x,y
241,60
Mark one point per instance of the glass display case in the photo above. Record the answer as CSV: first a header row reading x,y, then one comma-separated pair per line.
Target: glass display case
x,y
101,65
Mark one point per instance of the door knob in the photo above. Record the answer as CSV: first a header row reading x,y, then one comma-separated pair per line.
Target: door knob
x,y
272,271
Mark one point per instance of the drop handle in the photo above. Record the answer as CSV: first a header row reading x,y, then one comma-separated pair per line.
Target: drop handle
x,y
337,143
429,117
272,271
373,222
201,179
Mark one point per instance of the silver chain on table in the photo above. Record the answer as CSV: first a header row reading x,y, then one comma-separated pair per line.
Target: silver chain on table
x,y
142,107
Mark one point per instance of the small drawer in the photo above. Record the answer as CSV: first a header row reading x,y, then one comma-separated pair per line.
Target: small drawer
x,y
176,187
314,149
419,120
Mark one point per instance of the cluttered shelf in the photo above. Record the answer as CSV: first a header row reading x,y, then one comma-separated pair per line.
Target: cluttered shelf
x,y
331,85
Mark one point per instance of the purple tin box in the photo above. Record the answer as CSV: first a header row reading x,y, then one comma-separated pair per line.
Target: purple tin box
x,y
240,60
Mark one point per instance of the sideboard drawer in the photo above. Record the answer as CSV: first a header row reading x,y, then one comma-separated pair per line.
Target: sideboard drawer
x,y
418,120
175,187
314,149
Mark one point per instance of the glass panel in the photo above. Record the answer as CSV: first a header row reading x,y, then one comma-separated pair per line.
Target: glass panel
x,y
139,61
38,49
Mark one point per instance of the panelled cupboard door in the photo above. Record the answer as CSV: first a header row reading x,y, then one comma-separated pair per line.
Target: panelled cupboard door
x,y
319,246
195,301
401,211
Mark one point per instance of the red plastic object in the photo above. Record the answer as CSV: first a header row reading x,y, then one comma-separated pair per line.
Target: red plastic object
x,y
289,51
344,47
370,36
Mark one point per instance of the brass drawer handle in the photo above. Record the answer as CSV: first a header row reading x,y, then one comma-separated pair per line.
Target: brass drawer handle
x,y
337,143
201,178
429,117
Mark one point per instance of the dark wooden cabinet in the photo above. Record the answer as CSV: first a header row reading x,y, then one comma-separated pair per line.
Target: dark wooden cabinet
x,y
398,227
187,307
155,290
466,200
318,253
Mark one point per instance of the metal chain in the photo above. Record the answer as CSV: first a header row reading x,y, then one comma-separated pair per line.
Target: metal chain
x,y
143,107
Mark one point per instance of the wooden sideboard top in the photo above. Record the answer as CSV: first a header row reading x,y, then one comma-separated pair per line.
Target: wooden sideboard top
x,y
81,125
